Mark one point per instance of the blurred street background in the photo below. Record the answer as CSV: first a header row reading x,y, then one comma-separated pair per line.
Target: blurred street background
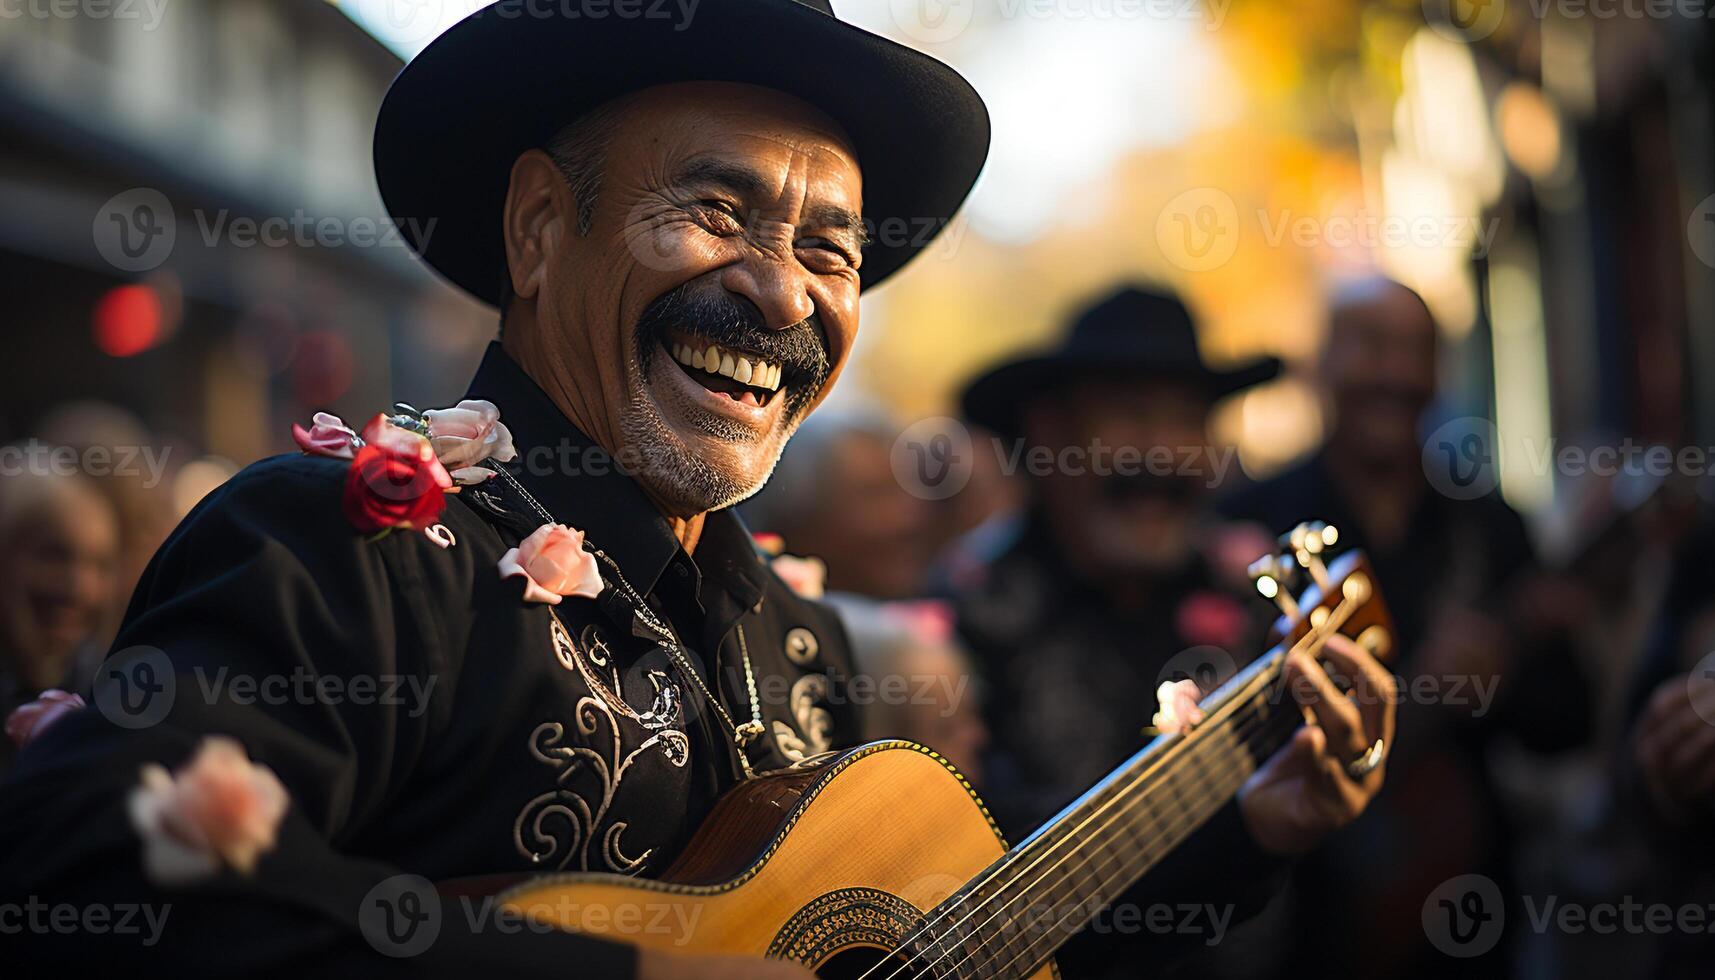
x,y
194,257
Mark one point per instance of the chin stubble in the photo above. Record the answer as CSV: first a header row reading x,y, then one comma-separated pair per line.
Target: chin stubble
x,y
672,470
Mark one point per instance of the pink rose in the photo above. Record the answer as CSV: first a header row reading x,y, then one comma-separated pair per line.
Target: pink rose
x,y
29,721
467,434
328,436
805,576
554,564
218,808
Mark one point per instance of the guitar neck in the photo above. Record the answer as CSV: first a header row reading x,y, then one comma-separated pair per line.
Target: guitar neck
x,y
1011,919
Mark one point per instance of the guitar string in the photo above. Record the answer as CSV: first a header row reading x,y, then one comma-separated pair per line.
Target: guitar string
x,y
1120,795
1312,639
1185,822
1120,873
939,935
1141,860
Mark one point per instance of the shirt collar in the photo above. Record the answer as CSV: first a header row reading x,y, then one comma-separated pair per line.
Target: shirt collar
x,y
581,485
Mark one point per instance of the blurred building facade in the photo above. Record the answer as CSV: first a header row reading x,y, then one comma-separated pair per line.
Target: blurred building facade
x,y
191,229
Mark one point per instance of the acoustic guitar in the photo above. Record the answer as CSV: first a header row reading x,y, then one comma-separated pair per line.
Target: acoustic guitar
x,y
880,862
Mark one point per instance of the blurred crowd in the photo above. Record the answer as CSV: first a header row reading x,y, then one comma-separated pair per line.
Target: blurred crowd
x,y
1558,732
1556,735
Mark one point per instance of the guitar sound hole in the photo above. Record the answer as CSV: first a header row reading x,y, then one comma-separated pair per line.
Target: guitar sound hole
x,y
854,962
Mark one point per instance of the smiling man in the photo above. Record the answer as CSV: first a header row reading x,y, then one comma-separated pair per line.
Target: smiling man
x,y
671,219
723,239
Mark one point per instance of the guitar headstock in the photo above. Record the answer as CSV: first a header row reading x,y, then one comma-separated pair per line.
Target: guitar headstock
x,y
1340,594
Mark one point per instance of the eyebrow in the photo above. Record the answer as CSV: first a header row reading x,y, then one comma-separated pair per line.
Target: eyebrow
x,y
746,182
838,219
735,177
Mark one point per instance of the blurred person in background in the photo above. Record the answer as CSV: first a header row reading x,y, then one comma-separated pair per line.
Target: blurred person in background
x,y
833,496
134,480
1115,580
922,679
1463,586
61,542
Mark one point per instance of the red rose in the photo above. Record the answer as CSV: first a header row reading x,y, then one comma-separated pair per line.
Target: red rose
x,y
394,481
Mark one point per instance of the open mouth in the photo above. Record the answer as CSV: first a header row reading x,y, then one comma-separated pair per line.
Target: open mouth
x,y
740,375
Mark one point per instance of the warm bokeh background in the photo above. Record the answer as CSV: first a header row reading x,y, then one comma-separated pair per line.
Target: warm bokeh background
x,y
1244,152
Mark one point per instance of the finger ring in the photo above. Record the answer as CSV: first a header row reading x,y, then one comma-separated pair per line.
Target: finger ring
x,y
1365,764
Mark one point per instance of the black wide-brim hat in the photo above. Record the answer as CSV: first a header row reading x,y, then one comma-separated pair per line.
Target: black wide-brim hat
x,y
1132,334
506,78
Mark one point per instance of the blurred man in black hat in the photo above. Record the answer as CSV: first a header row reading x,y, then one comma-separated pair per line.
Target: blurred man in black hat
x,y
1116,580
676,221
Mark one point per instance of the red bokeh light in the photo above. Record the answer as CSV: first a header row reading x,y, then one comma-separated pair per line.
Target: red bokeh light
x,y
127,321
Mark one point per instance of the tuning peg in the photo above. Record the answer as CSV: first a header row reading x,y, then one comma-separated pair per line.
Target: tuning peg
x,y
1272,575
1306,542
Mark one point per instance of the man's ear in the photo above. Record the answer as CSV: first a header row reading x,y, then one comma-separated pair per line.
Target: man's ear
x,y
534,221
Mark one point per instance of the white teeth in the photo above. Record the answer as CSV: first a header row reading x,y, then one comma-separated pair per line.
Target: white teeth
x,y
744,370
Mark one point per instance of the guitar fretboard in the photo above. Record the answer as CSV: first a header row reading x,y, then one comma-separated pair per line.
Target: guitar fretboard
x,y
1014,916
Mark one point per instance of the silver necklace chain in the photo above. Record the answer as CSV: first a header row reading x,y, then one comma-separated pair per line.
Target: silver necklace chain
x,y
742,735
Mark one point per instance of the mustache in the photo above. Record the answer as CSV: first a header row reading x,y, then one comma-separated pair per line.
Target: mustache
x,y
735,322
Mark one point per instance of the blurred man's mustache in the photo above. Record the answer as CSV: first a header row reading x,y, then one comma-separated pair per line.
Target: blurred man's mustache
x,y
735,322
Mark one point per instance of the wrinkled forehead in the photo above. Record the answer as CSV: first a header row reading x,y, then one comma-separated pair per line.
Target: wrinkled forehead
x,y
778,136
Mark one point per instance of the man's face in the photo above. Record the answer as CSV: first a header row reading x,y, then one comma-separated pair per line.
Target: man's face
x,y
714,299
1379,368
56,586
1131,515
